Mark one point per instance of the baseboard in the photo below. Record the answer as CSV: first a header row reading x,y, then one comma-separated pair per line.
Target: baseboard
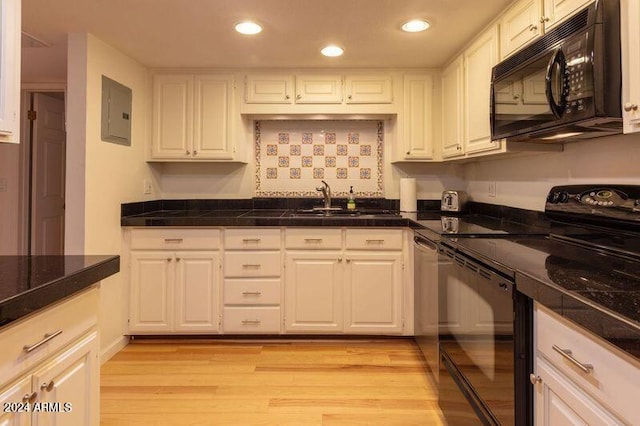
x,y
113,349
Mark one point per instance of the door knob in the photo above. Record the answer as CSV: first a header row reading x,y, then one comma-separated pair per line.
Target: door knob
x,y
628,107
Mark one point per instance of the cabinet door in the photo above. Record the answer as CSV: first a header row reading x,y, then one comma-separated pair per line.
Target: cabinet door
x,y
152,278
172,116
478,61
452,119
68,387
15,394
519,25
197,291
418,122
559,402
555,11
369,89
373,293
212,136
268,89
318,89
630,39
313,292
10,71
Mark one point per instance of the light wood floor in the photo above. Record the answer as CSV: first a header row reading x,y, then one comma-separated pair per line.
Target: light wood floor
x,y
321,382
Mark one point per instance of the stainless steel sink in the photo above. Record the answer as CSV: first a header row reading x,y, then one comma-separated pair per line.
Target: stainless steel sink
x,y
340,212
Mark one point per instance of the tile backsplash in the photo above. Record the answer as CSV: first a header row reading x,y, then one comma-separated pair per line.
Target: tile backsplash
x,y
292,157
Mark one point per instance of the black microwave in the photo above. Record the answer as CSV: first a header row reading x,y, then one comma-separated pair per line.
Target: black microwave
x,y
565,85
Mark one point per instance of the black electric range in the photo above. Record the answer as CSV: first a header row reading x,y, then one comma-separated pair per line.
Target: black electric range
x,y
586,269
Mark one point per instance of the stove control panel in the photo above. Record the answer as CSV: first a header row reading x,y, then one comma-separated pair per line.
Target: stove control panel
x,y
606,201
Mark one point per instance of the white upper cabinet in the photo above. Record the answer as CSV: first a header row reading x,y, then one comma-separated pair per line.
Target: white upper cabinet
x,y
269,89
519,25
318,88
630,14
478,61
529,19
416,120
10,71
369,89
452,109
193,117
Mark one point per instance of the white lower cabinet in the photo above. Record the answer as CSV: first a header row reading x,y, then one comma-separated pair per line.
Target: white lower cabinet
x,y
373,293
174,292
313,292
579,378
358,289
50,366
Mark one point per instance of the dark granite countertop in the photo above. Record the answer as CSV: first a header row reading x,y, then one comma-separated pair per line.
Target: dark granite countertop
x,y
612,314
30,283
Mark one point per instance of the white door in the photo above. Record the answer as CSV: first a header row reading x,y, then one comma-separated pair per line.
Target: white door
x,y
630,40
12,397
212,117
68,388
152,280
313,293
373,293
48,175
418,123
452,111
172,135
197,291
519,25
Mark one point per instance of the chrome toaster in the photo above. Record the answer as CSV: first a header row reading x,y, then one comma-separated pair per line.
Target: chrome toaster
x,y
453,201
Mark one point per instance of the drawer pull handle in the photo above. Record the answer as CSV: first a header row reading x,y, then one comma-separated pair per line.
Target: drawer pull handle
x,y
313,240
375,241
251,240
251,293
30,397
567,354
251,322
251,266
47,386
46,338
173,240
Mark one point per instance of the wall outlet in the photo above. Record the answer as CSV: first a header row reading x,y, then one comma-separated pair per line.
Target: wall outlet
x,y
492,189
148,187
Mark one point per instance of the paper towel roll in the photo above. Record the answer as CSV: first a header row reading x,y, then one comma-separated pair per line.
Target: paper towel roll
x,y
408,201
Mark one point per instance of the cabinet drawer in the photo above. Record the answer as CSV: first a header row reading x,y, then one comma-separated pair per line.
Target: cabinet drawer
x,y
66,321
374,239
313,238
251,292
251,320
252,239
614,377
252,264
175,239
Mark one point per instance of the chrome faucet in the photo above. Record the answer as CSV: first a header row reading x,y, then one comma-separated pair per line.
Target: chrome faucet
x,y
326,193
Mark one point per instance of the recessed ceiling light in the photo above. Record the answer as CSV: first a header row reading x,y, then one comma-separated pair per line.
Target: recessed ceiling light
x,y
416,25
332,50
248,28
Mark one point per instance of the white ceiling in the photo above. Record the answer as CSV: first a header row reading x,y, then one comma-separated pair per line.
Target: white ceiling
x,y
199,33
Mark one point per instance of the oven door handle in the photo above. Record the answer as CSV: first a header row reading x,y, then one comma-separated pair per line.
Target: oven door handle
x,y
424,243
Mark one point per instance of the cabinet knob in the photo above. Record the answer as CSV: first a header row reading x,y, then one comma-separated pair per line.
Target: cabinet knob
x,y
544,19
408,152
188,152
30,398
534,379
339,260
299,97
630,107
348,260
178,259
533,27
287,97
195,152
169,259
458,147
47,386
349,97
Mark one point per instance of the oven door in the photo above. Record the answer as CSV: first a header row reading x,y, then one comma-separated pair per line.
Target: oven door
x,y
476,342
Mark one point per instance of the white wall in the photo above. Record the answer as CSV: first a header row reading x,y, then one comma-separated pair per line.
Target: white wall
x,y
524,182
113,174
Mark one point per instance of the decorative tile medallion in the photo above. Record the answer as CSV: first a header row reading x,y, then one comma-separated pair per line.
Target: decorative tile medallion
x,y
307,138
330,138
283,138
342,152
